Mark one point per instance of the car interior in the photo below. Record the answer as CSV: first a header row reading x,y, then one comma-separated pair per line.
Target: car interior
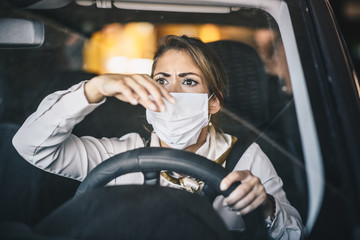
x,y
257,107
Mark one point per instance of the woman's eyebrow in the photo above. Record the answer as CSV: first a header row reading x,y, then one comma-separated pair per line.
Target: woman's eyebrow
x,y
188,73
162,73
180,75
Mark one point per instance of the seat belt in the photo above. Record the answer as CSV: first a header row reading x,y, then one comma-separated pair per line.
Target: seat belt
x,y
237,151
253,231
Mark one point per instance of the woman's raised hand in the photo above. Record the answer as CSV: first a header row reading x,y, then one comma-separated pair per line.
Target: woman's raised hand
x,y
135,89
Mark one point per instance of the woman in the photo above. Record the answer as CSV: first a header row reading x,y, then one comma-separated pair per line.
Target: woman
x,y
187,82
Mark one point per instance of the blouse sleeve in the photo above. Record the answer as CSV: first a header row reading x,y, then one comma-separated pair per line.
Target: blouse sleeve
x,y
45,138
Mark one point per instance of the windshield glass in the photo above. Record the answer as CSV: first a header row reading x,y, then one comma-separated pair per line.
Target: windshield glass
x,y
81,42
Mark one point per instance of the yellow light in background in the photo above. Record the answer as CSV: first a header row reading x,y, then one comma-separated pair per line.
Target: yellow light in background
x,y
121,48
138,40
209,33
129,48
91,53
206,32
235,33
190,30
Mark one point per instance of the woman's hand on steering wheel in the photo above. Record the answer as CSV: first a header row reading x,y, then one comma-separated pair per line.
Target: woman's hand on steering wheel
x,y
135,89
249,195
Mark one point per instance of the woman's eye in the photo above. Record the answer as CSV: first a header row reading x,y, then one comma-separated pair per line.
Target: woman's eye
x,y
162,81
190,82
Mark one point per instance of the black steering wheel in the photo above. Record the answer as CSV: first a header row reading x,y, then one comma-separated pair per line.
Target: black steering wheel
x,y
150,161
96,212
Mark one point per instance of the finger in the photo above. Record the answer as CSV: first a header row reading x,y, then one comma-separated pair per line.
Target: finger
x,y
253,205
238,194
133,99
249,183
231,178
257,191
143,94
126,94
153,90
165,93
242,202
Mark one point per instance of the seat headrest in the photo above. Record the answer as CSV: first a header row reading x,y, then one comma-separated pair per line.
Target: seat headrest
x,y
247,81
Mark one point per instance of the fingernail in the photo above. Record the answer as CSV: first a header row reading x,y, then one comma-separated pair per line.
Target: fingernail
x,y
238,213
134,102
222,186
172,100
224,204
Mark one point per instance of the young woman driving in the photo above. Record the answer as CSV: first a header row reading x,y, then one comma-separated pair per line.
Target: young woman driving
x,y
181,97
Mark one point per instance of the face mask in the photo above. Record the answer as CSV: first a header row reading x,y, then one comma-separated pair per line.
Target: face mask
x,y
180,125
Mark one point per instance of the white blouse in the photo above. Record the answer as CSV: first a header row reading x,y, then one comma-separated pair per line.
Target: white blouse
x,y
45,140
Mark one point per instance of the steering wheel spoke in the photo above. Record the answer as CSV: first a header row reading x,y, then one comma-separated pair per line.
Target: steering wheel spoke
x,y
208,193
152,178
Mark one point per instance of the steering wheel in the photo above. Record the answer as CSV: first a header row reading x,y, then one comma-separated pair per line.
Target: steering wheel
x,y
150,161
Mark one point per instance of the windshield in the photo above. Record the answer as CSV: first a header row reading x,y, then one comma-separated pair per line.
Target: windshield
x,y
260,106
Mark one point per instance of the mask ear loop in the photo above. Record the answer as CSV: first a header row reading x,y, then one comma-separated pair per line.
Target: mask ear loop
x,y
210,113
210,96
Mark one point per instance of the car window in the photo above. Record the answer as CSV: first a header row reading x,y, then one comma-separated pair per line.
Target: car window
x,y
266,85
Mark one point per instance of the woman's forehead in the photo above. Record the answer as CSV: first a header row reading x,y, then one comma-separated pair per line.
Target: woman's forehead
x,y
176,61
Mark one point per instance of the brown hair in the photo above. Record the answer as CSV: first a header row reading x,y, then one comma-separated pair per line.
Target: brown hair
x,y
204,57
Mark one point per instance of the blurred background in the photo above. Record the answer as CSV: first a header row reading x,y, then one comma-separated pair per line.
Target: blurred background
x,y
347,13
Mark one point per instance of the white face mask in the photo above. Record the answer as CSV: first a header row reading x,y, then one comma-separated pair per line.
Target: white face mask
x,y
180,125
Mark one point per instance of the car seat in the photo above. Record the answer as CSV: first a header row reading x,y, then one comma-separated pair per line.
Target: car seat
x,y
248,94
256,110
27,193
